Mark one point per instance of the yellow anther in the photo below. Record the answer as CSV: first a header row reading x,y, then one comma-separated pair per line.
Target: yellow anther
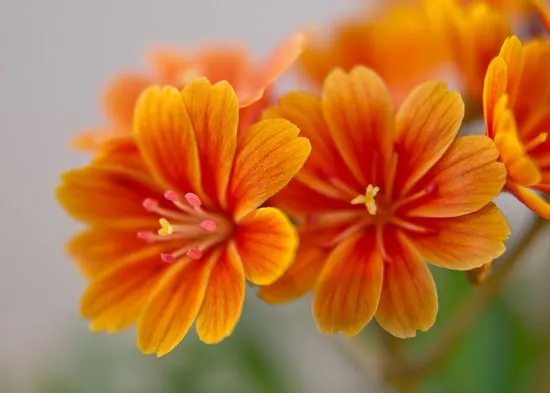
x,y
370,202
368,199
165,227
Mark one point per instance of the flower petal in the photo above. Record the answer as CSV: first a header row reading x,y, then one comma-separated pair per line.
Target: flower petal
x,y
302,275
96,250
174,305
121,152
164,134
223,302
269,155
114,300
300,200
348,289
494,88
426,125
465,242
214,113
359,113
121,96
266,241
107,196
464,180
409,297
544,13
530,199
276,63
306,112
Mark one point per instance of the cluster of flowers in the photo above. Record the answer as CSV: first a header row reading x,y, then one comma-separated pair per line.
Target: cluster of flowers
x,y
203,180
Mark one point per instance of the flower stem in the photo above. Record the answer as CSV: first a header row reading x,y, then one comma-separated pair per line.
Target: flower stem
x,y
468,313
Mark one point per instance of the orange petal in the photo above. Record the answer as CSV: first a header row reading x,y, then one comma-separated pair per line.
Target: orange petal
x,y
511,53
267,242
426,125
276,63
174,305
300,200
409,298
465,179
269,155
92,140
494,88
114,300
465,242
108,196
223,302
543,12
359,112
168,64
121,152
214,113
521,168
164,134
306,112
530,199
348,289
98,249
121,96
302,275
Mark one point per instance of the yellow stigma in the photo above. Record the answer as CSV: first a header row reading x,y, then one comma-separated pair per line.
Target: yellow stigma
x,y
165,227
368,199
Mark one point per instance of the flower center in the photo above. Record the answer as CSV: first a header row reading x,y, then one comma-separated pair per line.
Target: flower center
x,y
368,199
189,223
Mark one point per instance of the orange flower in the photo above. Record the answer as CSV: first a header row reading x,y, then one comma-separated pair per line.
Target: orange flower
x,y
543,12
170,67
395,39
474,34
188,172
380,193
517,116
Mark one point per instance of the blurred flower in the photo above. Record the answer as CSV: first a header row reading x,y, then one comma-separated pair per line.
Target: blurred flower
x,y
474,34
543,12
189,173
501,5
517,117
381,192
398,42
171,67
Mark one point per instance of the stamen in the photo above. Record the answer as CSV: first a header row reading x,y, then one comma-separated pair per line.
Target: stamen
x,y
193,200
172,196
370,202
167,258
411,226
150,205
148,237
194,253
209,225
536,142
166,228
428,190
368,199
350,231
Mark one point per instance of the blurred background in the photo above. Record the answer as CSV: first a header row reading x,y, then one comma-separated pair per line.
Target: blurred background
x,y
55,58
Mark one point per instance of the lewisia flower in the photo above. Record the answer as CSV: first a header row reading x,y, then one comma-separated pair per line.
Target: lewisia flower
x,y
474,33
170,67
517,117
383,42
174,224
380,193
543,12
